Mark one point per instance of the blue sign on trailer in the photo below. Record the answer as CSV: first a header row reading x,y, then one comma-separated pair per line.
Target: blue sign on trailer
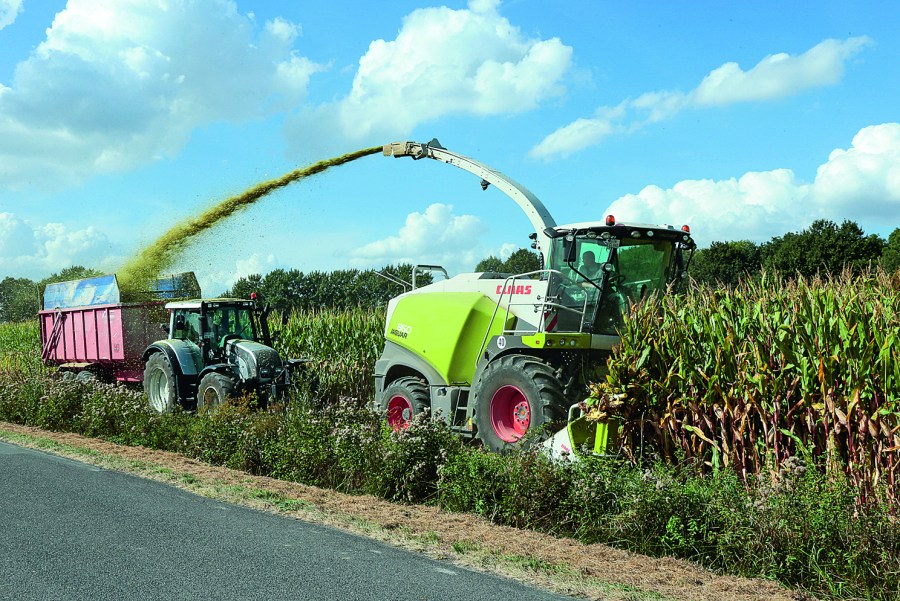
x,y
100,290
104,290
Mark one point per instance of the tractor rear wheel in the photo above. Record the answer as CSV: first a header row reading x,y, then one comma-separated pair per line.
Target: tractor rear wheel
x,y
213,391
515,395
159,383
406,397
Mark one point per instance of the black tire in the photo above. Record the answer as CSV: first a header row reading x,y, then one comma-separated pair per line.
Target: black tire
x,y
404,398
86,376
213,391
160,384
516,395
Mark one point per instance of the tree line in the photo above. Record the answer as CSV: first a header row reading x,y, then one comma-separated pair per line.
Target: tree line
x,y
824,247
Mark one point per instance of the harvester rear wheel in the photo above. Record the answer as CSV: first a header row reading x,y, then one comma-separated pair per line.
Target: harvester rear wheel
x,y
159,383
213,391
514,395
406,398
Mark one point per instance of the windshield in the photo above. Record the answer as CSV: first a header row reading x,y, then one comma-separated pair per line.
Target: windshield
x,y
224,320
605,276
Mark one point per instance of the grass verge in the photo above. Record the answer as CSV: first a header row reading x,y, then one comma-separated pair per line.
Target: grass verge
x,y
561,565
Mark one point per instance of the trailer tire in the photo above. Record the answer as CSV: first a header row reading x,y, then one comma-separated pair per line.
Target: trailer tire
x,y
516,395
86,376
405,398
160,385
214,390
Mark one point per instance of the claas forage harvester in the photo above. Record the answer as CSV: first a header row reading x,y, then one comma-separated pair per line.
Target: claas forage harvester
x,y
501,355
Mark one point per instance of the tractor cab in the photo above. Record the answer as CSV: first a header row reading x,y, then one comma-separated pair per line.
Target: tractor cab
x,y
210,324
597,271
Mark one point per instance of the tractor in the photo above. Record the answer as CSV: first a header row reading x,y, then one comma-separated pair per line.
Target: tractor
x,y
501,356
216,349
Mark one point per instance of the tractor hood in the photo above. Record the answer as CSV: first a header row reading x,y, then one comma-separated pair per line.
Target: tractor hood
x,y
254,361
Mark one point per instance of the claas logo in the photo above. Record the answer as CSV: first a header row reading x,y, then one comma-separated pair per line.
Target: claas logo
x,y
511,289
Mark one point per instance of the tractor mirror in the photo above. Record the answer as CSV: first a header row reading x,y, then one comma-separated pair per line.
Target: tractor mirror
x,y
570,249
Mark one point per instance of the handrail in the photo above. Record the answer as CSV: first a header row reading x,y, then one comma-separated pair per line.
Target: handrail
x,y
542,308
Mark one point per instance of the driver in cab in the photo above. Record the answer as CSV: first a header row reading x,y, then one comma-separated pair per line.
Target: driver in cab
x,y
589,266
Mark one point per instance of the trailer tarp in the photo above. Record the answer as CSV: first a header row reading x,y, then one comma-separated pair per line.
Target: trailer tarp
x,y
101,290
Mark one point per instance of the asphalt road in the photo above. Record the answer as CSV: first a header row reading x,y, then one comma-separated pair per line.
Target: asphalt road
x,y
74,531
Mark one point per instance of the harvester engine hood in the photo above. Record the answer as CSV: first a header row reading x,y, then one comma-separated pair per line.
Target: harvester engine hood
x,y
254,361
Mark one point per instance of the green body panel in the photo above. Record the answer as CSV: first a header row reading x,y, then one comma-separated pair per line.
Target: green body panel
x,y
447,329
557,340
600,437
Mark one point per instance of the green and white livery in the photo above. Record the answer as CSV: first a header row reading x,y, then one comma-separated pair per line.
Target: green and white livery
x,y
502,355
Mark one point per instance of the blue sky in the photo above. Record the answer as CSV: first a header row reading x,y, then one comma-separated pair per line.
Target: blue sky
x,y
120,117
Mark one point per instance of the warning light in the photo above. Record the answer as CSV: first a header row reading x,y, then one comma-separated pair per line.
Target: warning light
x,y
252,296
610,220
686,229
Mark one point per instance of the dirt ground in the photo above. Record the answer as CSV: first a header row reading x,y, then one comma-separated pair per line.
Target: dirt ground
x,y
565,566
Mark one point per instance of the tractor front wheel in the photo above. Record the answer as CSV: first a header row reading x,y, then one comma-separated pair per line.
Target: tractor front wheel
x,y
159,383
406,398
213,391
515,395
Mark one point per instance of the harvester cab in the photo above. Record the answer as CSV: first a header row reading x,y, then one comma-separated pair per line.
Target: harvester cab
x,y
216,349
501,355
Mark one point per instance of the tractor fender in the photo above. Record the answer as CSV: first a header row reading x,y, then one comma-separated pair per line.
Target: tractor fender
x,y
184,356
397,362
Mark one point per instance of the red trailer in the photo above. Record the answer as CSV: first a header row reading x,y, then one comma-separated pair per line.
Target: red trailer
x,y
85,326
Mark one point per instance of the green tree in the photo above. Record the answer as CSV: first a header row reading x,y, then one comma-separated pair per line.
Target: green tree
x,y
490,263
521,261
19,299
890,257
74,272
822,248
726,263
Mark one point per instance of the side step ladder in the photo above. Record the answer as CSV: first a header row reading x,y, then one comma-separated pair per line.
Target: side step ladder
x,y
53,339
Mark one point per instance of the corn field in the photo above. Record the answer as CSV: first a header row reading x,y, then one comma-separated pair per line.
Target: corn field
x,y
750,377
744,379
20,348
342,346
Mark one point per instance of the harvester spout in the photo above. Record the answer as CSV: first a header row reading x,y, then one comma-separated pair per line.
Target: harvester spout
x,y
534,209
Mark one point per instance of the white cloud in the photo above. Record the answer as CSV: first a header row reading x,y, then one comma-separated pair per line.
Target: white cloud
x,y
442,62
861,183
775,76
118,83
9,10
437,237
779,75
36,251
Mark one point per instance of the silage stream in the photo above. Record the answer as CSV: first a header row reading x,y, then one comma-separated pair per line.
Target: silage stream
x,y
155,258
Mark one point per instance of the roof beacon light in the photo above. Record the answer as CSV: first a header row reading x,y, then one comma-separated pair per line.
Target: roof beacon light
x,y
610,220
686,228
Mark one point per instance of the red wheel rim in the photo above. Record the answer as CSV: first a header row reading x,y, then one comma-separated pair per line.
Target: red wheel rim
x,y
399,412
510,413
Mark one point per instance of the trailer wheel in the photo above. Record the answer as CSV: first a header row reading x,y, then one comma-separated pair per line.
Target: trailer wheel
x,y
213,391
86,376
514,395
159,383
406,397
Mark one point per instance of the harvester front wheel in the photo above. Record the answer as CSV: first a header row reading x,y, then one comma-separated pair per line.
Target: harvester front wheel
x,y
516,394
213,391
159,383
406,398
